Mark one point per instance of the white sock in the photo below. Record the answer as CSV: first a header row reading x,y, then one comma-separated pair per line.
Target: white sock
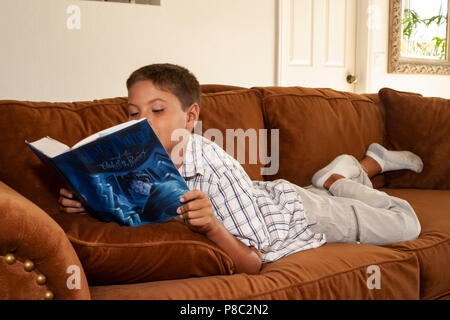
x,y
344,165
394,160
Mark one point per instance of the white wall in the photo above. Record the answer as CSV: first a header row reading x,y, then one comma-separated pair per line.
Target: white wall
x,y
221,41
373,56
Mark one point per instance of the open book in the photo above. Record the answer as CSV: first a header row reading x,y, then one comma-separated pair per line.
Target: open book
x,y
121,174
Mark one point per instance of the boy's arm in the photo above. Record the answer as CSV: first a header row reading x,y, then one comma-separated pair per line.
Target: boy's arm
x,y
246,259
199,216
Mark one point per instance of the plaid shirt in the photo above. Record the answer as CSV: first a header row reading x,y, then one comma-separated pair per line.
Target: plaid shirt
x,y
267,215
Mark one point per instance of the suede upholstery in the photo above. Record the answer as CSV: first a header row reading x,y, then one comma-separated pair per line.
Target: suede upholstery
x,y
111,253
30,234
322,273
65,122
422,125
222,111
315,125
433,246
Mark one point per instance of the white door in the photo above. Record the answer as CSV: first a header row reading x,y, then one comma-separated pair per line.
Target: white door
x,y
317,43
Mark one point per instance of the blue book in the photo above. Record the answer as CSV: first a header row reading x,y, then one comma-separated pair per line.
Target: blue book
x,y
122,174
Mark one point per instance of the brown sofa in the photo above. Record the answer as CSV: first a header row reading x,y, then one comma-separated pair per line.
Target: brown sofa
x,y
40,247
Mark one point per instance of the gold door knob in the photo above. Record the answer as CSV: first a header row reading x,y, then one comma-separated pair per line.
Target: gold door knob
x,y
351,79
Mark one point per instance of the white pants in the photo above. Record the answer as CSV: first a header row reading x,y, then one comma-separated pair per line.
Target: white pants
x,y
352,212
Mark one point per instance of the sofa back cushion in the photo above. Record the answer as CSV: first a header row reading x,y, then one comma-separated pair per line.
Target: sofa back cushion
x,y
212,88
65,122
225,107
317,125
421,125
233,119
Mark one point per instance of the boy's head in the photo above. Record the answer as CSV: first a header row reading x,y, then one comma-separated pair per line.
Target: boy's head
x,y
173,78
168,96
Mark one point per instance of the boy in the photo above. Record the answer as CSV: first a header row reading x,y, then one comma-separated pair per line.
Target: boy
x,y
253,221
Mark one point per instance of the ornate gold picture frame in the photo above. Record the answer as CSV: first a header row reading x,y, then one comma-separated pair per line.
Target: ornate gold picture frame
x,y
400,64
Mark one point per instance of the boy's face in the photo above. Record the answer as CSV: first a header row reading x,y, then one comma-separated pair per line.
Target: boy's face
x,y
163,111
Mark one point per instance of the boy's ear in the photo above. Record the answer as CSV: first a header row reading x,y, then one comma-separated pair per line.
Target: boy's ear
x,y
192,116
193,112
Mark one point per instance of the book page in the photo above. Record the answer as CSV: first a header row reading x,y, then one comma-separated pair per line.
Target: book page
x,y
50,147
105,132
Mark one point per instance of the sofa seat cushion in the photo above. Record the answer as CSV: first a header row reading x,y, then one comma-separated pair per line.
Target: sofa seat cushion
x,y
111,253
433,245
421,125
333,271
317,125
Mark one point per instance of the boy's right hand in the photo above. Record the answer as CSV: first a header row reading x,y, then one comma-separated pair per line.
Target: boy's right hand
x,y
67,204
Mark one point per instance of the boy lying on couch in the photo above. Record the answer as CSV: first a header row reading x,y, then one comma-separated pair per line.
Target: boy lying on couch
x,y
261,221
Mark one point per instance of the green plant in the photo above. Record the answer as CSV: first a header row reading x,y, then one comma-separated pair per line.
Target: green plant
x,y
412,20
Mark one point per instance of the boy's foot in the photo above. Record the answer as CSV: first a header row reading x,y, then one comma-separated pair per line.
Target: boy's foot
x,y
394,160
344,165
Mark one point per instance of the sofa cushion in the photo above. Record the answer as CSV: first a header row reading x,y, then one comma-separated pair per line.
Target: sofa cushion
x,y
317,125
433,246
236,112
70,122
421,125
65,122
212,88
110,253
332,271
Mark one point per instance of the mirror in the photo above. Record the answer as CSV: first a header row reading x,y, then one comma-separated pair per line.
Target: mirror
x,y
418,36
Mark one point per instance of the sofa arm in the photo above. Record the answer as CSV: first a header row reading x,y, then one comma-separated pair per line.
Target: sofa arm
x,y
37,261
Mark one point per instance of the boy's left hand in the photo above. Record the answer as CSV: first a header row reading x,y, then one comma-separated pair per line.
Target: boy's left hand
x,y
198,212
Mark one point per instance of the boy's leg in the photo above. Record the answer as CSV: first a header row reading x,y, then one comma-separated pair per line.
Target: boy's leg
x,y
366,168
327,215
344,165
378,217
377,160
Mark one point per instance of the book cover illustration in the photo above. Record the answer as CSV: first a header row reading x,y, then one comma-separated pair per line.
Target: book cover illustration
x,y
125,176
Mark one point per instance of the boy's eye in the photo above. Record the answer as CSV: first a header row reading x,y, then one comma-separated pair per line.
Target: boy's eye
x,y
158,110
134,114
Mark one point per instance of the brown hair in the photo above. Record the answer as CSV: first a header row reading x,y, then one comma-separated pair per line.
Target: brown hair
x,y
176,79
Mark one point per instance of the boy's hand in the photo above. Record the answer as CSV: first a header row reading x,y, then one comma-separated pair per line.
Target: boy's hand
x,y
198,212
67,204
